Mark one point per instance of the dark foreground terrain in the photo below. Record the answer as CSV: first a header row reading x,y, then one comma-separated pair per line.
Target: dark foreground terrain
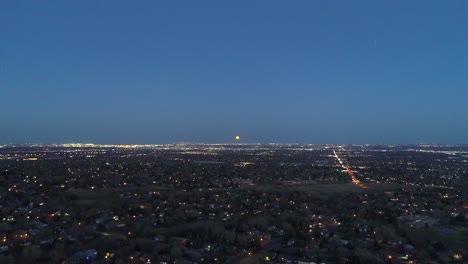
x,y
238,203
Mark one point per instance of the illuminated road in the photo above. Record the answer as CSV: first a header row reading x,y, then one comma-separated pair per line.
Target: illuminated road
x,y
354,180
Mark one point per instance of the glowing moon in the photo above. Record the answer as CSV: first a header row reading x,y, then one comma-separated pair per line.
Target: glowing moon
x,y
237,137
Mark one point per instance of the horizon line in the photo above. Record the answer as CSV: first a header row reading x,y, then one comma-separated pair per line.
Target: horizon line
x,y
231,143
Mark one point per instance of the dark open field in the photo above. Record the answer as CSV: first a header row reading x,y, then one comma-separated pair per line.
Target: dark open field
x,y
331,188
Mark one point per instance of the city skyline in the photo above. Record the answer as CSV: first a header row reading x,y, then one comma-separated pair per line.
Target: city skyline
x,y
306,72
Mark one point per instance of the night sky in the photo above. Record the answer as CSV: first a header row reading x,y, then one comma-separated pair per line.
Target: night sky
x,y
205,71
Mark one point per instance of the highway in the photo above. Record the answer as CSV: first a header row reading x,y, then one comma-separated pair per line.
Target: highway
x,y
353,177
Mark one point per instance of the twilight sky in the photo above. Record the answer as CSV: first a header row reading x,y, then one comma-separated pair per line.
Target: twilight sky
x,y
205,71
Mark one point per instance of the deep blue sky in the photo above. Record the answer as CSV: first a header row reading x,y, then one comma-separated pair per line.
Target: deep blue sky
x,y
204,71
